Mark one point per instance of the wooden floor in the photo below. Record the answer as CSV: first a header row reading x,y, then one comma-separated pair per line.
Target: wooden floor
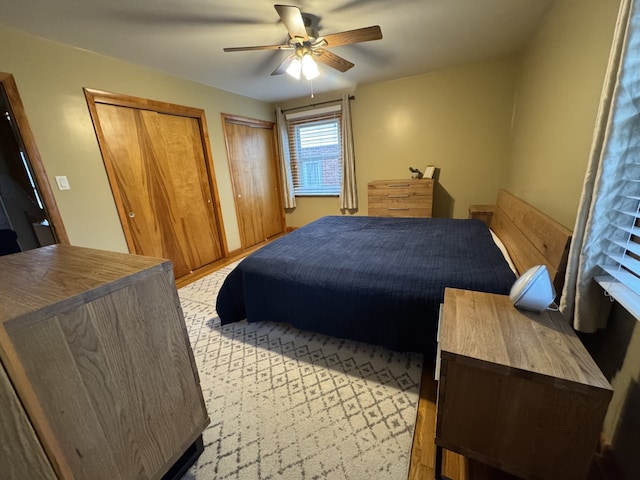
x,y
206,270
454,466
218,264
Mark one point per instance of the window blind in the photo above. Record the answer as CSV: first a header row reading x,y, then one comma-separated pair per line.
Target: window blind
x,y
315,146
621,260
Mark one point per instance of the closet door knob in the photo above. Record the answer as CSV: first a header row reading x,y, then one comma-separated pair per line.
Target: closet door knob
x,y
132,214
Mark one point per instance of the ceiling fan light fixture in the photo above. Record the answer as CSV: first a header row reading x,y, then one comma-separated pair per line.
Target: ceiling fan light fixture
x,y
303,64
295,68
309,67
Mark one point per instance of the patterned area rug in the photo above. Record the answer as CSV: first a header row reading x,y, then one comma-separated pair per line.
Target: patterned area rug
x,y
290,404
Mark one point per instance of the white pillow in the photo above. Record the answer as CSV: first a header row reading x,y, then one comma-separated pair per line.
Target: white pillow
x,y
504,251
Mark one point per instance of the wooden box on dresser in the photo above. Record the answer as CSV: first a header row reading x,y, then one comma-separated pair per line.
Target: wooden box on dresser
x,y
98,379
401,198
516,390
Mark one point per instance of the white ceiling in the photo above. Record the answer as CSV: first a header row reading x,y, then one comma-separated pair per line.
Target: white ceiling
x,y
185,37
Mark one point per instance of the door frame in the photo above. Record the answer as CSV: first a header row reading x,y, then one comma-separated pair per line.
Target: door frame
x,y
108,98
254,123
33,157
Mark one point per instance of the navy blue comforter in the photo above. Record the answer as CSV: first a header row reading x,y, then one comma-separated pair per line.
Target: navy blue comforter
x,y
372,279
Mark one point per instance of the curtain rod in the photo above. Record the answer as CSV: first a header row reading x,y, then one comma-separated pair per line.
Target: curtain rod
x,y
351,97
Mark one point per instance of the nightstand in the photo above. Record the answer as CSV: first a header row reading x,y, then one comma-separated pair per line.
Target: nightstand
x,y
481,212
516,390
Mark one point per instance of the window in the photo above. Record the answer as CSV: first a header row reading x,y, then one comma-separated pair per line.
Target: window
x,y
315,145
605,240
616,204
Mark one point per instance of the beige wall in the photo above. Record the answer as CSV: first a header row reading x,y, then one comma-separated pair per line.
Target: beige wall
x,y
557,102
458,119
50,78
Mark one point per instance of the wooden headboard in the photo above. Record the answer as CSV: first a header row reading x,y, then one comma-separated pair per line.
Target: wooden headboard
x,y
531,237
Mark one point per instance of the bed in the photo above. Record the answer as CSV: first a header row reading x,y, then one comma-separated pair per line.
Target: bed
x,y
381,280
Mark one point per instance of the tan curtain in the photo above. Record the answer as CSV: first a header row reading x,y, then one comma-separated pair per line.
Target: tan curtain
x,y
288,194
617,132
348,190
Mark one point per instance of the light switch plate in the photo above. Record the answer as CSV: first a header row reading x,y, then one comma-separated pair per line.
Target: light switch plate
x,y
63,182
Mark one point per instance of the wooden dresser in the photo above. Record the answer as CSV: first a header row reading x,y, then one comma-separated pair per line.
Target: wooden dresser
x,y
401,198
97,376
516,390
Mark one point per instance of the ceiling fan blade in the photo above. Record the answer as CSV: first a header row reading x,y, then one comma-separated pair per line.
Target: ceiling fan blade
x,y
174,18
282,68
332,60
258,47
292,19
353,36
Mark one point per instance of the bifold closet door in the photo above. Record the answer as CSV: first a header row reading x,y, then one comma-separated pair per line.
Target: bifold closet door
x,y
253,162
158,170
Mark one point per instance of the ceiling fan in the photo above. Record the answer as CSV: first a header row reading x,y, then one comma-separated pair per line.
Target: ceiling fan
x,y
308,45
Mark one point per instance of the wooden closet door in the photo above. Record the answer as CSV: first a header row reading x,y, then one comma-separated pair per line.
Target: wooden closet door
x,y
158,171
253,163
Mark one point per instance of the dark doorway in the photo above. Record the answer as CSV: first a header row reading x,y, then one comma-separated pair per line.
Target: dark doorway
x,y
26,220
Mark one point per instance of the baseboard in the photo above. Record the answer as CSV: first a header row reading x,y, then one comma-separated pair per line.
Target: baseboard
x,y
235,253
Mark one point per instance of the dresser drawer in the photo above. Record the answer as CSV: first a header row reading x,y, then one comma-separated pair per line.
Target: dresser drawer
x,y
399,212
401,187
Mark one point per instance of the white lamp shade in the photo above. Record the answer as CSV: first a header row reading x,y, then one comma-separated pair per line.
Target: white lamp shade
x,y
309,67
295,68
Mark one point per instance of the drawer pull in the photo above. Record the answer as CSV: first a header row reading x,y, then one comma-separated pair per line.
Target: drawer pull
x,y
398,208
397,196
396,185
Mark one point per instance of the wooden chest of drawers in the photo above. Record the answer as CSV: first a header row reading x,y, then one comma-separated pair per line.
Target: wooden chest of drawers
x,y
401,198
97,376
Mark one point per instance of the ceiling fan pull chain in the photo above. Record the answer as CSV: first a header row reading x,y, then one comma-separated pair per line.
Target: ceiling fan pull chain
x,y
311,83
